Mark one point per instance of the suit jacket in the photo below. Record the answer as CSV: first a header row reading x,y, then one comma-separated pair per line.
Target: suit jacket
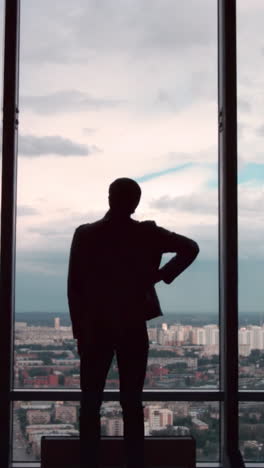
x,y
113,266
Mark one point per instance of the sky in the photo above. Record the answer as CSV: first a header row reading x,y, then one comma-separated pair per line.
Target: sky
x,y
128,88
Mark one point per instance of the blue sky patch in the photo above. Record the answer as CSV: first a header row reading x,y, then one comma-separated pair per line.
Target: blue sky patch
x,y
153,175
251,172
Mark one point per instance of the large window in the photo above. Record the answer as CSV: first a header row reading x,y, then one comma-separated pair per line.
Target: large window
x,y
147,92
251,417
34,419
118,91
250,190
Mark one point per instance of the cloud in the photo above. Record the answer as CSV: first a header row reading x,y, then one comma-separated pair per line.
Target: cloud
x,y
52,257
251,200
207,155
260,131
89,131
64,101
194,203
243,105
34,146
146,72
241,129
26,210
173,101
52,263
53,232
80,30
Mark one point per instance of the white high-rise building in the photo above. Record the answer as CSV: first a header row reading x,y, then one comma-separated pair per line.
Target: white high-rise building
x,y
153,334
199,336
181,334
251,337
171,335
114,426
211,334
256,337
57,323
244,350
158,417
244,336
262,337
162,336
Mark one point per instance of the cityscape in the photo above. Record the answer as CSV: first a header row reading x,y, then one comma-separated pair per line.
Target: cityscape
x,y
181,356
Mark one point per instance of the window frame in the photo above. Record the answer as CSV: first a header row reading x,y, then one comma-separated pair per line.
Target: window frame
x,y
228,395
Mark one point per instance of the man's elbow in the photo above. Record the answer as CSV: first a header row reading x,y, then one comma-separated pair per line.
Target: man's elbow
x,y
192,250
196,249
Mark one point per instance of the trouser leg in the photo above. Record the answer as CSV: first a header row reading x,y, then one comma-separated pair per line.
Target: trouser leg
x,y
90,432
93,372
132,363
133,417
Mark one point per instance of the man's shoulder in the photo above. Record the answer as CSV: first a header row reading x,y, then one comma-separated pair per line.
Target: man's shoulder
x,y
148,225
88,227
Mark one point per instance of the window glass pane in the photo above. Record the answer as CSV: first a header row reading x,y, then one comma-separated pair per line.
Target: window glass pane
x,y
34,419
251,420
120,90
179,355
251,194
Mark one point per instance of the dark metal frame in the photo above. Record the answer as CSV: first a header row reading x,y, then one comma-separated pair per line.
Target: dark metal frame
x,y
8,215
228,395
228,230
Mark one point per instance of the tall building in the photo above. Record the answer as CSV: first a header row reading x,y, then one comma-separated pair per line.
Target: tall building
x,y
38,416
199,337
153,334
57,323
251,337
162,336
256,337
211,334
114,426
158,417
65,413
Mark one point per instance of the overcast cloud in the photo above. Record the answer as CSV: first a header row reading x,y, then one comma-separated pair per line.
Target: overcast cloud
x,y
33,146
65,101
26,210
192,203
81,28
133,85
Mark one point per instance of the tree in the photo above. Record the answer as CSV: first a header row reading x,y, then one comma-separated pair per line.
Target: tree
x,y
22,416
250,454
182,421
169,431
61,379
161,353
37,372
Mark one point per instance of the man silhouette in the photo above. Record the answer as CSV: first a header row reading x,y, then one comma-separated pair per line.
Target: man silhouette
x,y
113,267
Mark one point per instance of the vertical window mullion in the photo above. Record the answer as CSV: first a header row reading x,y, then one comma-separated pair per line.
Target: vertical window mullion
x,y
228,230
8,214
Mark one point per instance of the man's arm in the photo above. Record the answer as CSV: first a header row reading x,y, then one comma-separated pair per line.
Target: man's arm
x,y
74,283
186,251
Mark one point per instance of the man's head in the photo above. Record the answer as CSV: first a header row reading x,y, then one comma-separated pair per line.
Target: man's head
x,y
124,195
